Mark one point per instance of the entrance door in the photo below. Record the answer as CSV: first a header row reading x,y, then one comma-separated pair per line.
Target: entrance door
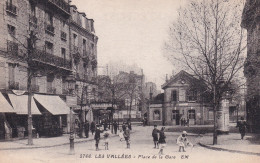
x,y
192,118
176,117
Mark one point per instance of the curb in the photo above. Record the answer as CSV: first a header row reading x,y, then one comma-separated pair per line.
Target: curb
x,y
228,150
50,146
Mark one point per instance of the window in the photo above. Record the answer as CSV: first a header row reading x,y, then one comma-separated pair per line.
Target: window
x,y
48,47
191,114
156,115
75,40
175,114
211,115
11,32
63,53
84,46
174,96
49,18
192,95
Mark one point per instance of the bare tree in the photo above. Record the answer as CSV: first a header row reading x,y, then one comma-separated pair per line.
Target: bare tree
x,y
208,41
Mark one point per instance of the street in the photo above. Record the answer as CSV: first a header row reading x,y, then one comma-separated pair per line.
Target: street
x,y
141,150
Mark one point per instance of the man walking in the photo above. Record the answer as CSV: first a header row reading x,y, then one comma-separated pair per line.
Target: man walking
x,y
97,137
155,135
115,127
241,124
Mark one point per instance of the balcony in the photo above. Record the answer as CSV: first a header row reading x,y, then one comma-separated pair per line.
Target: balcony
x,y
13,85
50,59
60,5
51,90
33,20
35,88
12,48
63,36
10,8
49,29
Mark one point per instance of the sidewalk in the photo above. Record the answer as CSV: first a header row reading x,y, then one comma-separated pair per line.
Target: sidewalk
x,y
233,143
44,142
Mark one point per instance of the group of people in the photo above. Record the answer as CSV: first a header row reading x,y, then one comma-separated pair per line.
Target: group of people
x,y
124,134
159,140
185,122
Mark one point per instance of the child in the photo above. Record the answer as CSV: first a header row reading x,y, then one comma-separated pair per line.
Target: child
x,y
106,139
155,135
121,135
183,142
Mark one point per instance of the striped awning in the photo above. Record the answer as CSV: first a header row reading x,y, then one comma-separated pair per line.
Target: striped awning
x,y
5,107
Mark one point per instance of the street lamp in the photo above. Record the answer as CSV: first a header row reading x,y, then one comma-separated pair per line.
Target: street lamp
x,y
72,151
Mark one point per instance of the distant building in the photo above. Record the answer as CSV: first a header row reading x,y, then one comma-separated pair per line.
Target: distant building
x,y
150,88
182,99
250,21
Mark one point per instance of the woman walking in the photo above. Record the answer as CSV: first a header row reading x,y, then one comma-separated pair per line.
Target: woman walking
x,y
162,141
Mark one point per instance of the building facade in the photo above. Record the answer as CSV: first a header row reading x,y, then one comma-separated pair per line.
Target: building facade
x,y
251,22
58,61
182,100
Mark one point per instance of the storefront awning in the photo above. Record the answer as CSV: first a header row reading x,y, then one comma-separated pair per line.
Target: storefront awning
x,y
20,104
54,104
5,107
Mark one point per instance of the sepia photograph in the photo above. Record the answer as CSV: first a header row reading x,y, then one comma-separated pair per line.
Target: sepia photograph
x,y
129,81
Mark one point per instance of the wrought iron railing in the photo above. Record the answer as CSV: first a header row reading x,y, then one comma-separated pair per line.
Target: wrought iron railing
x,y
49,28
63,35
11,8
45,57
12,48
61,4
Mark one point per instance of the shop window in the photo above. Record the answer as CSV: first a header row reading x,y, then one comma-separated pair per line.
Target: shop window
x,y
174,96
156,115
191,114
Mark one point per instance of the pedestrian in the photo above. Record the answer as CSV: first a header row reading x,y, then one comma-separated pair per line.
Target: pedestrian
x,y
129,125
115,127
121,135
123,126
155,135
106,139
97,136
188,122
105,125
241,124
127,137
162,141
92,127
76,126
183,142
181,121
184,122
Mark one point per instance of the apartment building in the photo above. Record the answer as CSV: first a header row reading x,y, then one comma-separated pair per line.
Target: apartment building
x,y
57,58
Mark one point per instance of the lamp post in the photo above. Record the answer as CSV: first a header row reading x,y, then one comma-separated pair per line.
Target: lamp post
x,y
72,151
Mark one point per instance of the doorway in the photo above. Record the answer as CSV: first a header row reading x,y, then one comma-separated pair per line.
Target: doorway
x,y
176,117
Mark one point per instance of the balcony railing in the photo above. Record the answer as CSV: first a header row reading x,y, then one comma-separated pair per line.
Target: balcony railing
x,y
51,90
35,88
13,85
61,4
12,48
49,28
32,19
11,8
63,36
45,57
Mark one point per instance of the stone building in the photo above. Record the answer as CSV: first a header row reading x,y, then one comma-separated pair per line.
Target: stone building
x,y
60,67
183,99
251,22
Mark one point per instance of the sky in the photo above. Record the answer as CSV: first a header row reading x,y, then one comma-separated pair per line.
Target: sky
x,y
132,32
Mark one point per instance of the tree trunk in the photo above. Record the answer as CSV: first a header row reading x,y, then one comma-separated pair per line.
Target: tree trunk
x,y
29,80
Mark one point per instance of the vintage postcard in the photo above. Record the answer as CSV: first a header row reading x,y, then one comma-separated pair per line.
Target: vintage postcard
x,y
129,81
